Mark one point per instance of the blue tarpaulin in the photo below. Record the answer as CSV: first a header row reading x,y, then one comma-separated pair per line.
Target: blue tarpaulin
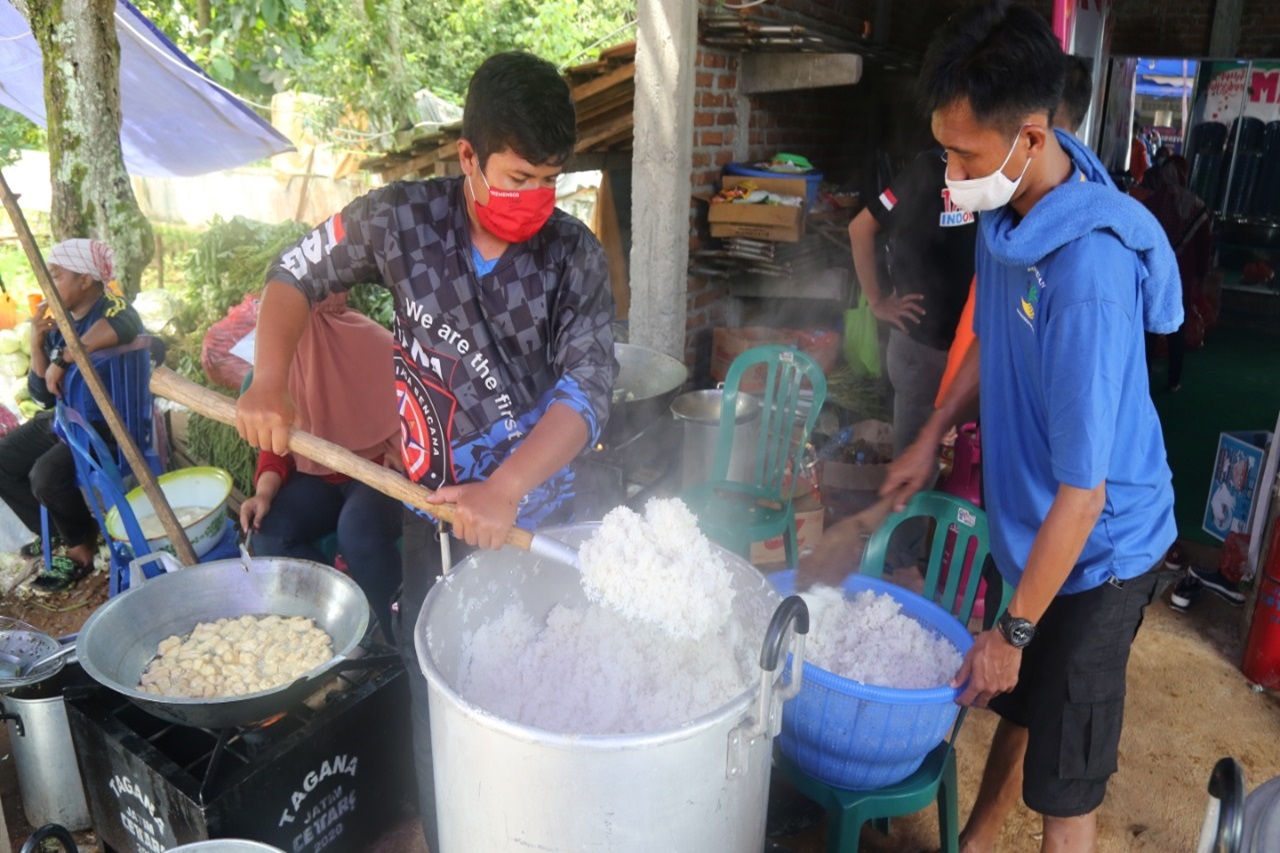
x,y
176,121
1163,78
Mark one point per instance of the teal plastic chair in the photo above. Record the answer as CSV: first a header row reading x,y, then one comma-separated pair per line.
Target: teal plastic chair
x,y
960,530
735,514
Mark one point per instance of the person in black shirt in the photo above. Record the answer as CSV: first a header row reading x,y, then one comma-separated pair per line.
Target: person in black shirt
x,y
36,467
931,245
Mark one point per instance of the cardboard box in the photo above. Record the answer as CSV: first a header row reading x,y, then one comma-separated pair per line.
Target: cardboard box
x,y
848,488
809,517
776,222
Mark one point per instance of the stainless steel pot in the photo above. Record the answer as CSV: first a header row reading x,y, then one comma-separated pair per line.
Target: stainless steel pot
x,y
647,382
120,638
700,413
504,787
44,756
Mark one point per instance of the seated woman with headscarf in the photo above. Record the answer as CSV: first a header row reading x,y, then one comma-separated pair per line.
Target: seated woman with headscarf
x,y
342,384
36,467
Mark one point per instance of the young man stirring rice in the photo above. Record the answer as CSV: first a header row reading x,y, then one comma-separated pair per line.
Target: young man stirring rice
x,y
503,346
1078,490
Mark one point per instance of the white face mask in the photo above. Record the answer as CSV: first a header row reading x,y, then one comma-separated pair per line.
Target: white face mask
x,y
995,190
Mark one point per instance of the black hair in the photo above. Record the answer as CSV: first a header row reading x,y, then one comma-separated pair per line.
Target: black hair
x,y
516,100
1077,92
1000,56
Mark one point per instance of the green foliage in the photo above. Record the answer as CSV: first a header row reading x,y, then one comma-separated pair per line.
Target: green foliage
x,y
375,302
220,445
229,260
370,56
16,133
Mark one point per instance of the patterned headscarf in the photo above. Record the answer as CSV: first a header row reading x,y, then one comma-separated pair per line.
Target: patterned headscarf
x,y
86,257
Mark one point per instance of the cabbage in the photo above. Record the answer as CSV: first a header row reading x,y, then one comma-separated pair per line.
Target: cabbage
x,y
14,364
24,336
156,308
10,341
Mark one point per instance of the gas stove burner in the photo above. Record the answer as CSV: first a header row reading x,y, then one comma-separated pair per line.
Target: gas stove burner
x,y
327,774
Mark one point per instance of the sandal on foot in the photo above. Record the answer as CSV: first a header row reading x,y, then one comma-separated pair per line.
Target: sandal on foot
x,y
63,574
35,548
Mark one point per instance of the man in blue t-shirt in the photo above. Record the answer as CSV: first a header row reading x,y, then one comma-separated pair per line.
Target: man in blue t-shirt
x,y
1077,487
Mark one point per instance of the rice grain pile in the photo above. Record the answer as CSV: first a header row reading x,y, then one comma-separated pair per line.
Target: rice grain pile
x,y
654,647
869,639
658,568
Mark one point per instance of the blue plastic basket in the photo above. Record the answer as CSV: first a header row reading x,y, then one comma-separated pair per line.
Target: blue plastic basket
x,y
855,736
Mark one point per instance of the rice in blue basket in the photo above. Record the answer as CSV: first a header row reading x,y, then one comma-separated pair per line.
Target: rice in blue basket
x,y
868,638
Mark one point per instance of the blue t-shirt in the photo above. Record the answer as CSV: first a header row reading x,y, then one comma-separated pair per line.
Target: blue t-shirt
x,y
1065,400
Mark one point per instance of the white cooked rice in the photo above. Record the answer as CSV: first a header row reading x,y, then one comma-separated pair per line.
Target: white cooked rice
x,y
593,671
868,638
657,645
658,568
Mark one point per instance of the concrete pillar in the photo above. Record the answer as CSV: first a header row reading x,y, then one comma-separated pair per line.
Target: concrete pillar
x,y
661,172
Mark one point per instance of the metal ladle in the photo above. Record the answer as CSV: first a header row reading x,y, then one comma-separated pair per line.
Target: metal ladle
x,y
25,669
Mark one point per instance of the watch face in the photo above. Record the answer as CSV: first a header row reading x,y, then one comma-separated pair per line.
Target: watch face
x,y
1017,631
1021,632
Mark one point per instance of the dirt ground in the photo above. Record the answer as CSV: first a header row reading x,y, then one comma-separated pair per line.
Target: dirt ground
x,y
1188,705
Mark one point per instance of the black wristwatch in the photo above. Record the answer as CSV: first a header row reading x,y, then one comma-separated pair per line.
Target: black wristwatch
x,y
55,357
1017,632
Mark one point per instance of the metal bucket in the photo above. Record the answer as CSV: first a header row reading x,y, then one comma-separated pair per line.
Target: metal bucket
x,y
700,412
44,757
504,787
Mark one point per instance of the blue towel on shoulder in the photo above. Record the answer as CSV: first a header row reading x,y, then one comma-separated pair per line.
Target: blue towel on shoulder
x,y
1077,208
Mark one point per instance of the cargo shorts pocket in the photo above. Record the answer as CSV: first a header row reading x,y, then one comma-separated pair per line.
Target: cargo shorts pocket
x,y
1091,722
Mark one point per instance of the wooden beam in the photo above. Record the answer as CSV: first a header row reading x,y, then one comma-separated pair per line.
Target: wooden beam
x,y
784,72
415,164
608,131
172,529
1224,32
621,74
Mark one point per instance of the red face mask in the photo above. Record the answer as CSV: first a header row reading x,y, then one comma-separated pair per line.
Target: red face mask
x,y
514,215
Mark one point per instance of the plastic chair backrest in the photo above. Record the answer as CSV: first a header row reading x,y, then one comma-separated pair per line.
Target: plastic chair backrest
x,y
778,447
97,471
968,547
126,372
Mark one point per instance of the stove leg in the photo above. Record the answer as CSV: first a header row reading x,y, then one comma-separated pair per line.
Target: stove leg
x,y
215,759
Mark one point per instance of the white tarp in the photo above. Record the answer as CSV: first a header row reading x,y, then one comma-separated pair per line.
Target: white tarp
x,y
177,122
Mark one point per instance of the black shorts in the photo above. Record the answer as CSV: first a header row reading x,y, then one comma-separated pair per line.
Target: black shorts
x,y
1070,695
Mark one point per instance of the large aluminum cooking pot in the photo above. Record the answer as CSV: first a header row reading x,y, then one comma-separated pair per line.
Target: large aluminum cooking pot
x,y
647,382
505,787
120,639
44,755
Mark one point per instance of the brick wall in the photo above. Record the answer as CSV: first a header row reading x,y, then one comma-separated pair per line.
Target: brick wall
x,y
1163,28
837,128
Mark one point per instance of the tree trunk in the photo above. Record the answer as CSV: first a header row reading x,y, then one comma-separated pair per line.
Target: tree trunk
x,y
204,17
92,194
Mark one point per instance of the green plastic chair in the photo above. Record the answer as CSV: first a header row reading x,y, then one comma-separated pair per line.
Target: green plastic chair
x,y
735,514
935,780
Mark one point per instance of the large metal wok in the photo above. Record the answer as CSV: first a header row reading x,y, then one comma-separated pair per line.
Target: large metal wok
x,y
120,639
647,382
